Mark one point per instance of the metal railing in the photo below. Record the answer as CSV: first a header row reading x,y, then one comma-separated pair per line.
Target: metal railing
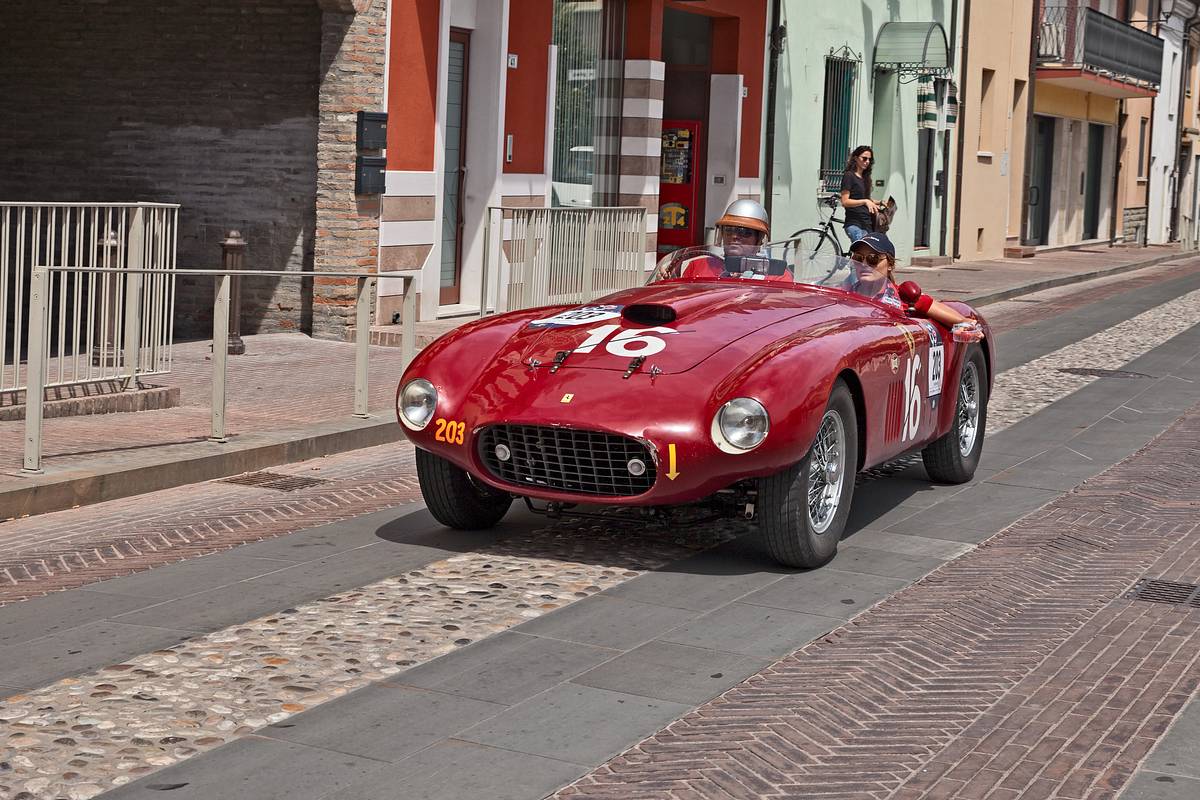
x,y
546,256
115,324
1087,39
40,294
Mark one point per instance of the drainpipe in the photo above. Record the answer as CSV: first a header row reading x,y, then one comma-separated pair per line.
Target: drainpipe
x,y
1152,18
962,91
1192,22
1030,88
777,38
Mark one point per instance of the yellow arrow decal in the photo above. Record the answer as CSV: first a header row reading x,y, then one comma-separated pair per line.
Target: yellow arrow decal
x,y
672,473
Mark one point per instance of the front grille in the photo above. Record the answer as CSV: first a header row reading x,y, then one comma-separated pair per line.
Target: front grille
x,y
581,462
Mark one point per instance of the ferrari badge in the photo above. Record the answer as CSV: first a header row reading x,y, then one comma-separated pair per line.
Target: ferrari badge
x,y
566,398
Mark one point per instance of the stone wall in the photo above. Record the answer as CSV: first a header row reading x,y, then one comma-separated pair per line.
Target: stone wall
x,y
242,111
1133,225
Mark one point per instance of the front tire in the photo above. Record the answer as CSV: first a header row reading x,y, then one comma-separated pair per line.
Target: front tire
x,y
954,457
803,509
454,499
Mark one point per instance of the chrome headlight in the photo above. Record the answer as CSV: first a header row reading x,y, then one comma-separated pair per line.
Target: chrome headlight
x,y
418,402
740,425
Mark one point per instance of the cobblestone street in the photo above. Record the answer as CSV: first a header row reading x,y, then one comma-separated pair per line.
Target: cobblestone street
x,y
331,640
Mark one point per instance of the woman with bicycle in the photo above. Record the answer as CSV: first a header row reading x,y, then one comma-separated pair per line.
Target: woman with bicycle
x,y
856,194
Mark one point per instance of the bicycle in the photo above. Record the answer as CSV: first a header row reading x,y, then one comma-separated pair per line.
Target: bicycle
x,y
811,242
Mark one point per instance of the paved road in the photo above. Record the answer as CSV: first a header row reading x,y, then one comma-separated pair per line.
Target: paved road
x,y
380,656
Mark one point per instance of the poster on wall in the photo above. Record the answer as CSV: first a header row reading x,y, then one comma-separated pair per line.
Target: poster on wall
x,y
677,154
679,185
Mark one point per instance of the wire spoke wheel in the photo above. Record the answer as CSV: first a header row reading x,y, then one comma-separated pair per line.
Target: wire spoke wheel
x,y
827,471
803,508
953,457
968,409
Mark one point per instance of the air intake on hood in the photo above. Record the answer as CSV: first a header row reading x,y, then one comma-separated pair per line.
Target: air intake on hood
x,y
649,314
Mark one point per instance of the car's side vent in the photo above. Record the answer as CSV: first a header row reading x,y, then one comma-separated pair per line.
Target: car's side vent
x,y
649,314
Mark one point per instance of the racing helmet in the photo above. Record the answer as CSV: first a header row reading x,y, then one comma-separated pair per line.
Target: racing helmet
x,y
746,214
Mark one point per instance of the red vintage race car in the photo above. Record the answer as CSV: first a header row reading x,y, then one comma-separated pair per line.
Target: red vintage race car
x,y
760,384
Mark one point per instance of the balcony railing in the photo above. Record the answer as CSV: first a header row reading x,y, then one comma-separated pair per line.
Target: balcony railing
x,y
1082,38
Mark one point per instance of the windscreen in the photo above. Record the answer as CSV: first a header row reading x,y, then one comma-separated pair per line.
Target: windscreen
x,y
782,262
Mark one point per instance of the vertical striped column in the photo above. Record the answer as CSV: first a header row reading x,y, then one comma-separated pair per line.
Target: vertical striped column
x,y
409,223
641,142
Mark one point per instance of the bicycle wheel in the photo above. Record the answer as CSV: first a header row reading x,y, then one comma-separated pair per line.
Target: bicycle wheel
x,y
812,242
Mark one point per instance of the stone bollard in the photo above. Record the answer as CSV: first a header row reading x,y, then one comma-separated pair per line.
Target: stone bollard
x,y
233,251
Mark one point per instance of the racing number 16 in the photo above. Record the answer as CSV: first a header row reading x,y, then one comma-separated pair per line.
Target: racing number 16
x,y
627,343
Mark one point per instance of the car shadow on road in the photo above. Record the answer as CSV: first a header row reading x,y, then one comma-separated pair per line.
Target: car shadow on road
x,y
726,546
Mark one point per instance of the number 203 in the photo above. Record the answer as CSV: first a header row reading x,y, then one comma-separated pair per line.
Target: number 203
x,y
449,431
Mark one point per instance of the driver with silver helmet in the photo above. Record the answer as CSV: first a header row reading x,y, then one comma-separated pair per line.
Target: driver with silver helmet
x,y
741,232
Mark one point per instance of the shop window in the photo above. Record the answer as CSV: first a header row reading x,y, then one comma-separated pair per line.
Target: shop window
x,y
590,85
840,117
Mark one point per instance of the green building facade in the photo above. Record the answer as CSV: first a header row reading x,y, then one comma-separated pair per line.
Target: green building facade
x,y
874,72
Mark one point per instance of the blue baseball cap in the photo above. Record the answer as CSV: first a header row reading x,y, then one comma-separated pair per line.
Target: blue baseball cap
x,y
878,242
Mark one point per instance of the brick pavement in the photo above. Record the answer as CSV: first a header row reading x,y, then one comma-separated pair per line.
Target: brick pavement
x,y
68,549
284,380
1017,671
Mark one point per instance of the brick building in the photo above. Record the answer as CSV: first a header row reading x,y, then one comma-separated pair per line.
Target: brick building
x,y
242,112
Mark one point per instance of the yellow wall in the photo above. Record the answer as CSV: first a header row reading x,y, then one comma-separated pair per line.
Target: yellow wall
x,y
1131,189
994,162
1059,101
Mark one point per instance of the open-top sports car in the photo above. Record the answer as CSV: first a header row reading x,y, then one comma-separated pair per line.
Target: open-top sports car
x,y
758,383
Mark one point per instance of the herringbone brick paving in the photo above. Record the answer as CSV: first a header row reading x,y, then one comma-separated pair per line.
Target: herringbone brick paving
x,y
73,548
1017,670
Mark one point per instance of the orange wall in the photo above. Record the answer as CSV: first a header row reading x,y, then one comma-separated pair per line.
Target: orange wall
x,y
643,29
412,85
744,29
530,31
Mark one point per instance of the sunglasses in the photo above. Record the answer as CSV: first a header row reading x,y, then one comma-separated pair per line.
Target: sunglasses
x,y
739,232
869,258
867,158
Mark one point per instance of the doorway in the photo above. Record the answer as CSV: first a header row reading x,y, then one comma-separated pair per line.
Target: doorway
x,y
925,140
687,53
1038,220
1091,184
455,167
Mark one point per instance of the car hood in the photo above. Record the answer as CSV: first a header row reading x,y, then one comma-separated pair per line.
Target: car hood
x,y
677,325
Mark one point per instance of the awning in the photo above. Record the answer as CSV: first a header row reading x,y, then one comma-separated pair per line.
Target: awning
x,y
912,49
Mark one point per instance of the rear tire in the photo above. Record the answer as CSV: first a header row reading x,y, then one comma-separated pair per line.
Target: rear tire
x,y
954,457
812,242
803,509
454,499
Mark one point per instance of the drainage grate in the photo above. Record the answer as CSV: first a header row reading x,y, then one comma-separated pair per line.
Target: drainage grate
x,y
1155,591
273,480
1103,373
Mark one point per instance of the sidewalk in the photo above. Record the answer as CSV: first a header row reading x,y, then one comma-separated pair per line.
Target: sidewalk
x,y
290,399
